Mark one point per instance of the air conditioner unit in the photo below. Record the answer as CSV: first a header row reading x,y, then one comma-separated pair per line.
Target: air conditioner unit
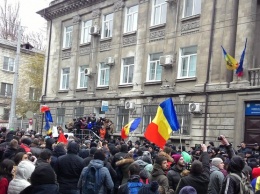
x,y
94,30
109,61
195,108
129,105
88,71
166,60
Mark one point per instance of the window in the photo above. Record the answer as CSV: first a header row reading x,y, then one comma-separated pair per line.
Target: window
x,y
131,19
34,93
85,36
6,113
182,111
149,112
159,12
127,70
107,26
65,75
187,62
83,78
122,117
192,7
67,36
103,75
78,112
8,64
6,89
60,116
154,69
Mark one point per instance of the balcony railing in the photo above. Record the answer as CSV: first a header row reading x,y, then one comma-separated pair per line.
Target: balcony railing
x,y
254,76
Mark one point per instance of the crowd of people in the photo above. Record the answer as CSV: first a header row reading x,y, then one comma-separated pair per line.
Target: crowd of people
x,y
32,164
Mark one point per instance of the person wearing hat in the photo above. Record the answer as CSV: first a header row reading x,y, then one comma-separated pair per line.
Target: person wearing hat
x,y
188,190
256,150
104,178
174,174
216,176
199,174
43,180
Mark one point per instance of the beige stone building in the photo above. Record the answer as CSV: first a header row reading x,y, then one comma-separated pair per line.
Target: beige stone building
x,y
133,54
24,89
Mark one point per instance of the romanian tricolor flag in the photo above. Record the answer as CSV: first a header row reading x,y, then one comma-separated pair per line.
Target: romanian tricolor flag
x,y
232,63
165,121
240,68
130,127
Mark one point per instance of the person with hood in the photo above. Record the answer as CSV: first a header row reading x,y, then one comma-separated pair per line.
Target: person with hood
x,y
133,184
199,174
43,180
159,173
90,157
23,173
48,144
58,151
174,174
105,182
6,176
68,169
216,176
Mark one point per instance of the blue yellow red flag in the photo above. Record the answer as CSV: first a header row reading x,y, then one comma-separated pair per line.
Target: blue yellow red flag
x,y
231,63
165,121
130,127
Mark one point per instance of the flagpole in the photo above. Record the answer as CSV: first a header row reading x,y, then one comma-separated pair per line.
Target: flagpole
x,y
131,136
182,98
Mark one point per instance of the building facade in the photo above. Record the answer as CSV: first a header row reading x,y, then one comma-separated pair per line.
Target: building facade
x,y
25,90
133,54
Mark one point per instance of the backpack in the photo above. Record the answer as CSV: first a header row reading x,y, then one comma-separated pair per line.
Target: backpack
x,y
91,181
245,185
134,187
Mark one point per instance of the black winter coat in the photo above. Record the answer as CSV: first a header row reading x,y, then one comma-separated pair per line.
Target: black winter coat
x,y
199,182
174,176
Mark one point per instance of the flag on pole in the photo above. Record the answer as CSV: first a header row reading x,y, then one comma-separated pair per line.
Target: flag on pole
x,y
130,127
48,117
240,68
164,122
232,63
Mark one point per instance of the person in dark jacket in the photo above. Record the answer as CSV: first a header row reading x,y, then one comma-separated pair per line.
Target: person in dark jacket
x,y
105,179
35,148
199,174
43,180
231,183
58,151
159,173
44,158
90,157
68,169
216,176
12,150
133,182
174,174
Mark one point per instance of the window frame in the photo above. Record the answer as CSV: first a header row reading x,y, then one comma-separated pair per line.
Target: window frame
x,y
85,31
60,116
184,15
107,70
9,64
180,63
80,113
6,93
126,26
150,114
122,117
81,73
149,67
34,94
64,46
128,71
160,17
103,26
62,77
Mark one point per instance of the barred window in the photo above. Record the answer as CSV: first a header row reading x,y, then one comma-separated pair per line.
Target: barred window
x,y
122,117
60,117
78,112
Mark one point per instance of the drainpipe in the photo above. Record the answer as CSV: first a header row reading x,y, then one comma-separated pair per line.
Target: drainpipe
x,y
208,69
47,72
232,40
